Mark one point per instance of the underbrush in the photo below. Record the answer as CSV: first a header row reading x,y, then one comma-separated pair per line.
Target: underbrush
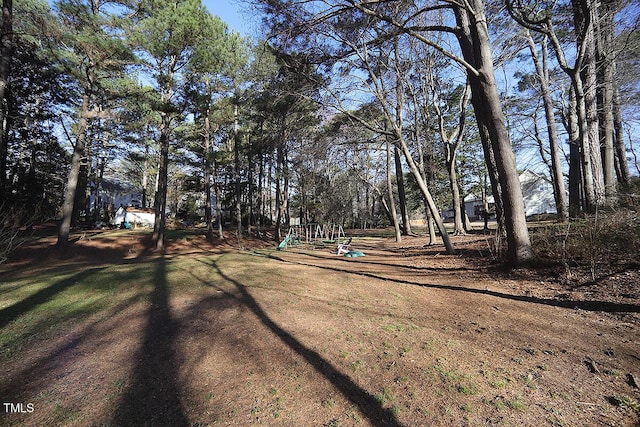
x,y
599,243
18,220
15,221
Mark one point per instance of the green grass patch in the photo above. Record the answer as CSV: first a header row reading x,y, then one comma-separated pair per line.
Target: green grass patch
x,y
328,403
501,382
517,404
385,396
456,380
467,389
448,375
399,327
626,402
45,303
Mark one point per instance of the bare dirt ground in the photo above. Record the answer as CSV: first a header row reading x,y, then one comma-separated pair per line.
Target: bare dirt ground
x,y
404,336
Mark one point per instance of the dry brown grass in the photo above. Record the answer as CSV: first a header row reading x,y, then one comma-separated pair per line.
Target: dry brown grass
x,y
407,335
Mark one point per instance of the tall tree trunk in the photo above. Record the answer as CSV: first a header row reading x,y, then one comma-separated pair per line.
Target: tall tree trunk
x,y
585,81
218,192
285,189
81,204
74,173
282,182
475,45
392,203
399,109
160,202
426,165
575,157
424,147
593,126
6,53
261,196
455,196
605,53
102,159
207,172
277,232
557,178
145,175
622,166
494,180
426,174
451,143
401,143
160,223
588,184
582,116
251,208
437,217
272,182
402,196
236,172
485,203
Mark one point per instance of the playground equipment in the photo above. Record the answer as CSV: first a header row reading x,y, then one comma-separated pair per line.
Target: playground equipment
x,y
284,243
314,234
344,248
354,254
318,235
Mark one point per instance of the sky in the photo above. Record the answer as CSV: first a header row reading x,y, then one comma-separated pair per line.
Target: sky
x,y
236,13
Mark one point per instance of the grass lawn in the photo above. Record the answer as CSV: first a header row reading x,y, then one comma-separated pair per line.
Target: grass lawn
x,y
110,333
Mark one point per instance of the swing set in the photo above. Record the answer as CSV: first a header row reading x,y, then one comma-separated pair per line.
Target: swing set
x,y
319,235
313,234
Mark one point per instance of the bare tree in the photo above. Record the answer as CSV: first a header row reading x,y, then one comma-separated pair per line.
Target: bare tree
x,y
555,166
392,204
378,21
369,59
476,50
451,139
584,128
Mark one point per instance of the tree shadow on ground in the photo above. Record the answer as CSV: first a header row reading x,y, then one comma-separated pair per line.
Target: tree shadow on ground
x,y
42,296
345,260
587,305
365,401
152,396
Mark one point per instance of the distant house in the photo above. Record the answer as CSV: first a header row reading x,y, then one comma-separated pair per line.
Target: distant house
x,y
112,197
119,192
132,217
537,193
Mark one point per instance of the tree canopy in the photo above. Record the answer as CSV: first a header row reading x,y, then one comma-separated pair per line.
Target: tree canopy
x,y
362,114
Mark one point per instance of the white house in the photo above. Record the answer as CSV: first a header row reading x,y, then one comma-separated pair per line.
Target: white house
x,y
537,193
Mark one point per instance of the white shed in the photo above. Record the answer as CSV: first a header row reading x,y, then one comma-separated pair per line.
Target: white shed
x,y
135,217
